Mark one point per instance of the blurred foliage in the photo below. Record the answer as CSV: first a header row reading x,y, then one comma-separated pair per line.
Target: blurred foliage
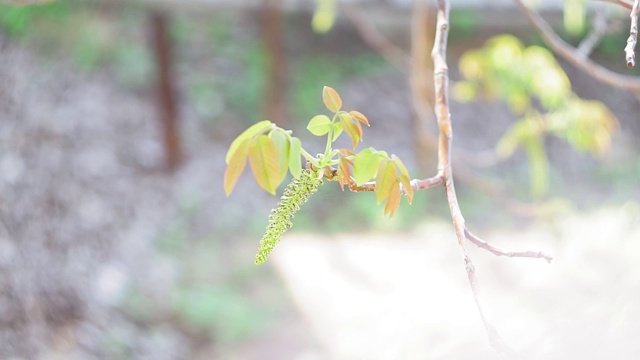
x,y
467,22
224,312
324,16
574,17
18,20
536,89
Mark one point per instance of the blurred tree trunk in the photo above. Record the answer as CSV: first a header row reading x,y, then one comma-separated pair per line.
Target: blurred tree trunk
x,y
273,40
421,81
167,104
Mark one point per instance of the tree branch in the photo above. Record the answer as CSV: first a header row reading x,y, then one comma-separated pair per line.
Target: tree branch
x,y
629,50
593,39
502,252
624,3
571,55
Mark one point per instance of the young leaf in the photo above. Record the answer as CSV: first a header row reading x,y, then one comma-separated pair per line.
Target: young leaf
x,y
281,141
331,99
319,125
393,200
365,166
404,178
344,171
263,158
295,164
350,128
385,179
337,130
359,117
236,166
253,130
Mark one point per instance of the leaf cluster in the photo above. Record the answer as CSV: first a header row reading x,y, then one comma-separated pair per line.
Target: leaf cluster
x,y
272,151
536,88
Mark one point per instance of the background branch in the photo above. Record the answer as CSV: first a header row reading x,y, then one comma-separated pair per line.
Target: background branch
x,y
593,39
624,3
375,40
570,54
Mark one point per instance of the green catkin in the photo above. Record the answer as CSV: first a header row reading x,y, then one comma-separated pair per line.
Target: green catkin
x,y
295,194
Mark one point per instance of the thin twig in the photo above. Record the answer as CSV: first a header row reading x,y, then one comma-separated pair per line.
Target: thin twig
x,y
595,36
624,3
570,54
629,50
502,252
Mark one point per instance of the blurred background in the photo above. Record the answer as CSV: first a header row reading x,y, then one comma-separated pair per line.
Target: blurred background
x,y
118,242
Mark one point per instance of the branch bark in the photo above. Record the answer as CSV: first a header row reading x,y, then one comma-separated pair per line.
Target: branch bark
x,y
629,50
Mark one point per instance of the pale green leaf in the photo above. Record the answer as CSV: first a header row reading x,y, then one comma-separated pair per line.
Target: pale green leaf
x,y
295,163
319,125
365,166
236,166
337,130
263,158
252,131
281,141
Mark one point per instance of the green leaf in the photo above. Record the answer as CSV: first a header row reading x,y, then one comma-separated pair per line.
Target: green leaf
x,y
365,166
331,99
236,166
281,141
295,164
253,130
319,125
337,130
385,179
263,158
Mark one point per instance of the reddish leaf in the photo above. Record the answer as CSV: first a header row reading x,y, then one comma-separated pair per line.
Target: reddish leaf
x,y
350,128
359,117
385,179
236,166
404,178
331,99
344,169
263,158
393,200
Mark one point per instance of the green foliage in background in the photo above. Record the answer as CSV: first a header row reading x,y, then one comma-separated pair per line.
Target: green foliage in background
x,y
18,20
538,91
324,16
